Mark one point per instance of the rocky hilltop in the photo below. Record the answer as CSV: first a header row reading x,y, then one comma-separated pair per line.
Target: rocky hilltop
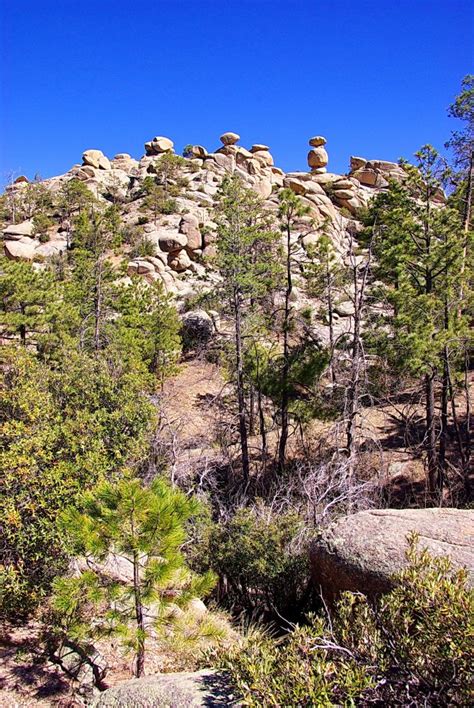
x,y
184,239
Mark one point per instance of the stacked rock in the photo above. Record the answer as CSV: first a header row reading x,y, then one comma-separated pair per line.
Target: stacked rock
x,y
229,138
95,159
159,145
317,156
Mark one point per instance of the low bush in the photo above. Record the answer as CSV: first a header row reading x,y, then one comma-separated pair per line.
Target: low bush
x,y
261,561
413,647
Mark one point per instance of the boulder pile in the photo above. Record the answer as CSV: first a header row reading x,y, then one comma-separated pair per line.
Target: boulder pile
x,y
184,241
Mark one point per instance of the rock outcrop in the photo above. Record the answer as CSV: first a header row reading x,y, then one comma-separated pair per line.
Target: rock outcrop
x,y
184,240
361,552
190,689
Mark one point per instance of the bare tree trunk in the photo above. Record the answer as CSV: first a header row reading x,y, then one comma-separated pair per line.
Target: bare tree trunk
x,y
252,410
140,664
467,468
286,360
331,321
443,440
431,432
240,388
98,305
467,220
463,449
353,391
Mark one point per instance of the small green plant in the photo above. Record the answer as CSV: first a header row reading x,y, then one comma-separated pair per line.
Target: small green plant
x,y
143,247
188,151
41,224
141,530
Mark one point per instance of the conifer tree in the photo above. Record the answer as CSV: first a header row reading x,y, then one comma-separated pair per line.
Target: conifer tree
x,y
26,298
245,246
325,275
290,212
145,528
419,246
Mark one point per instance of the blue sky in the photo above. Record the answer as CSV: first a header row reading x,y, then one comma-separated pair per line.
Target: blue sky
x,y
374,77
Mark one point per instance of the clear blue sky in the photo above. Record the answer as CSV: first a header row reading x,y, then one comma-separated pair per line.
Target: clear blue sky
x,y
374,76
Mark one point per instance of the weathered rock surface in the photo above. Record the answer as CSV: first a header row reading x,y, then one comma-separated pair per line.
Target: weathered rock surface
x,y
84,664
317,157
317,141
185,240
229,138
14,232
197,328
96,159
159,145
23,250
361,552
181,690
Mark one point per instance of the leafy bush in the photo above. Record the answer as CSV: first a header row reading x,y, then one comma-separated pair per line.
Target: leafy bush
x,y
142,248
60,431
168,206
413,647
261,563
41,224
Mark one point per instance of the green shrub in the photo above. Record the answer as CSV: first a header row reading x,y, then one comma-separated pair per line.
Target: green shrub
x,y
143,248
41,224
413,647
261,563
168,206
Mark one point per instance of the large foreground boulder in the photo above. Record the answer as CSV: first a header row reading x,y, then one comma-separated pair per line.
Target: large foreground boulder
x,y
361,552
199,688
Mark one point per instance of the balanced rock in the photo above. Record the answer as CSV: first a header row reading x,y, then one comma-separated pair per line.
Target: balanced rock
x,y
159,145
317,141
258,147
317,157
96,159
191,689
357,162
229,138
361,552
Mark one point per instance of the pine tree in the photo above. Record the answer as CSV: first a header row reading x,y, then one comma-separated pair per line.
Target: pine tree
x,y
290,212
246,246
146,528
325,275
26,299
419,247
